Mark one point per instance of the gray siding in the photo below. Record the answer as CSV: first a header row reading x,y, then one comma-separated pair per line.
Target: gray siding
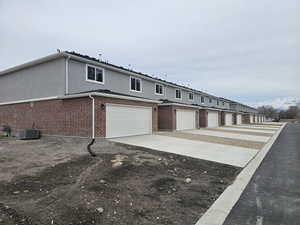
x,y
39,81
119,82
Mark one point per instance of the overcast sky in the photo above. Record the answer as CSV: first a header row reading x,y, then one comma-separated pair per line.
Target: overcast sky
x,y
245,50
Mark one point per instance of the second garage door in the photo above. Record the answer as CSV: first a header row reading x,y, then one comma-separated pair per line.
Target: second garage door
x,y
228,119
185,119
251,119
125,120
212,119
239,119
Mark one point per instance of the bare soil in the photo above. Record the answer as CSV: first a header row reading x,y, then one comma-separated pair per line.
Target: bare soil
x,y
122,185
218,140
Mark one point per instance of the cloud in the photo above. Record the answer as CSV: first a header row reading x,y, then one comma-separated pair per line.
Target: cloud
x,y
278,103
243,50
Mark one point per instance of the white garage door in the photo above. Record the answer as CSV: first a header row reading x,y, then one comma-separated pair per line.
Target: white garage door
x,y
251,119
212,119
239,119
125,120
228,119
185,119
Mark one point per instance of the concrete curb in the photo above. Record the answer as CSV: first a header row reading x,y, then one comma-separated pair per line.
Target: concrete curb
x,y
221,208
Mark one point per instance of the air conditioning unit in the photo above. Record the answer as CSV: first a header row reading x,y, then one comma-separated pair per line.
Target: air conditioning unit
x,y
29,134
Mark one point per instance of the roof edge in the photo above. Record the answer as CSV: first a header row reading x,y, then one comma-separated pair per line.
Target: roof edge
x,y
33,63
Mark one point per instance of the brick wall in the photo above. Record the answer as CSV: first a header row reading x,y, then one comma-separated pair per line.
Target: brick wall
x,y
219,118
68,117
222,122
166,119
202,118
234,118
245,118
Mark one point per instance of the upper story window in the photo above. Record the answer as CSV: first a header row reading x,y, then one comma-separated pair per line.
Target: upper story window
x,y
177,94
135,84
159,89
217,102
223,103
191,96
210,100
94,74
202,99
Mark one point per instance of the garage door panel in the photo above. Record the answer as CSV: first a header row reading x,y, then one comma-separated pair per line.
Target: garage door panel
x,y
185,119
239,119
212,119
228,119
128,120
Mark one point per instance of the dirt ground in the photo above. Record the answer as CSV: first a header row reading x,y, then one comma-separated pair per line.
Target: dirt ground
x,y
217,140
54,181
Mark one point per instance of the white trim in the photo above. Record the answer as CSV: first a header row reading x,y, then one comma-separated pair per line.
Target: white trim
x,y
126,105
94,81
180,94
163,89
29,100
93,116
67,76
33,62
141,86
110,96
178,104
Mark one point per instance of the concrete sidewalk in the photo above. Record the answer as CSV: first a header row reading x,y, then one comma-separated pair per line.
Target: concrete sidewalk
x,y
273,195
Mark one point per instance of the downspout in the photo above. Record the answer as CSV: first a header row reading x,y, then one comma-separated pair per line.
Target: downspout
x,y
93,127
67,75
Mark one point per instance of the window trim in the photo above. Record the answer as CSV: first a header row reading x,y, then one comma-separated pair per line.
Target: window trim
x,y
95,67
180,94
189,96
140,84
163,89
202,102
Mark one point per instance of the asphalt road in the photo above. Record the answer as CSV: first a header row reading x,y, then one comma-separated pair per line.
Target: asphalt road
x,y
273,195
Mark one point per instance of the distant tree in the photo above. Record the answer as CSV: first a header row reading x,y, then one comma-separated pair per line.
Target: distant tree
x,y
268,111
292,112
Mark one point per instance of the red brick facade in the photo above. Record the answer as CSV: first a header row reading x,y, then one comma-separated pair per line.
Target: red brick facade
x,y
202,118
234,118
68,117
245,118
222,122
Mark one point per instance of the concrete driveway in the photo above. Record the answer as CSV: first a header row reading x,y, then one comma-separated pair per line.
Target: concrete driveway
x,y
229,135
226,154
247,129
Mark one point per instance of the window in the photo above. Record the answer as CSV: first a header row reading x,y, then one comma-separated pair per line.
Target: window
x,y
202,99
191,96
217,102
94,74
178,94
223,103
135,84
210,100
159,89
